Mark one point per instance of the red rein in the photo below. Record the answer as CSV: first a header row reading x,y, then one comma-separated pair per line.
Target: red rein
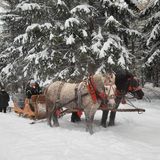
x,y
93,91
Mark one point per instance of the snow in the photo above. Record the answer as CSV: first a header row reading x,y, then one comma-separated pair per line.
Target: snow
x,y
84,8
70,22
83,48
97,41
32,27
154,34
60,3
121,60
70,40
120,3
152,57
84,33
27,6
2,10
7,69
111,19
113,40
22,38
134,137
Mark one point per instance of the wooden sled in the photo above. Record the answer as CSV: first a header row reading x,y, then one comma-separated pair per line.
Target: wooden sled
x,y
17,109
34,108
39,106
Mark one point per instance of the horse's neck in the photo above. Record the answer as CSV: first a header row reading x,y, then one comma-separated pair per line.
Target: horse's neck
x,y
121,84
98,81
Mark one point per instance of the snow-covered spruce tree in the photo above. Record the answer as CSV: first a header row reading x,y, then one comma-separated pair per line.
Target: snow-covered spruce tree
x,y
78,31
152,47
30,54
51,38
63,38
118,47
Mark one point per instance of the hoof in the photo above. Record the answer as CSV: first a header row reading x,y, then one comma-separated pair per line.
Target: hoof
x,y
75,120
91,132
56,124
104,125
111,123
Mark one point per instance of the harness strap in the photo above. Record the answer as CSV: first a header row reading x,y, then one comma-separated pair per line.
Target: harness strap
x,y
76,95
77,99
95,94
59,92
92,89
130,88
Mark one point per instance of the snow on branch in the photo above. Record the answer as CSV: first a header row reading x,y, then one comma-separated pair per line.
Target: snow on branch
x,y
152,57
32,27
155,17
85,8
154,34
70,40
21,38
97,41
61,3
112,41
27,6
7,70
121,6
131,32
71,22
40,27
84,48
112,20
151,5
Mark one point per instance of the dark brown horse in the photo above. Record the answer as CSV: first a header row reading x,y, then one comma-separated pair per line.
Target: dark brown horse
x,y
125,82
86,96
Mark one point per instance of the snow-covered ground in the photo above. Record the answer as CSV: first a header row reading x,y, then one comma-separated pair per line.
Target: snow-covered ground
x,y
134,137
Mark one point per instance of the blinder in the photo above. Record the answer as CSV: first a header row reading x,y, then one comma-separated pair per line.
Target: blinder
x,y
135,88
134,84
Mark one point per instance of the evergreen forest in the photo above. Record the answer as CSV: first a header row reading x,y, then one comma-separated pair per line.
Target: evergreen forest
x,y
70,39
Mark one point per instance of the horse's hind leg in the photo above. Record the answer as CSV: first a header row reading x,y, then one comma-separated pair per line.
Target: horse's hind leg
x,y
55,119
51,116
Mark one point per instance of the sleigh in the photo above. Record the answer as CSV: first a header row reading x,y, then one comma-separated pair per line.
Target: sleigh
x,y
34,108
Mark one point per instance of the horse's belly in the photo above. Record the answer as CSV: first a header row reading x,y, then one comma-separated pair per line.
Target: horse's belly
x,y
68,94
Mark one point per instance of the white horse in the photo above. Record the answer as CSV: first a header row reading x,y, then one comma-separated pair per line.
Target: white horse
x,y
87,96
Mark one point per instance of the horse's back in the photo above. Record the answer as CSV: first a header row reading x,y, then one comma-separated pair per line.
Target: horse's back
x,y
60,90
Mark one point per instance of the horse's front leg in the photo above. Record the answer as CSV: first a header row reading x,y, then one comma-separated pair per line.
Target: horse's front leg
x,y
113,114
89,116
104,118
112,118
89,124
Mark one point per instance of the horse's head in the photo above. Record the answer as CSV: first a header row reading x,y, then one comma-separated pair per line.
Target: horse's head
x,y
127,82
134,87
104,86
